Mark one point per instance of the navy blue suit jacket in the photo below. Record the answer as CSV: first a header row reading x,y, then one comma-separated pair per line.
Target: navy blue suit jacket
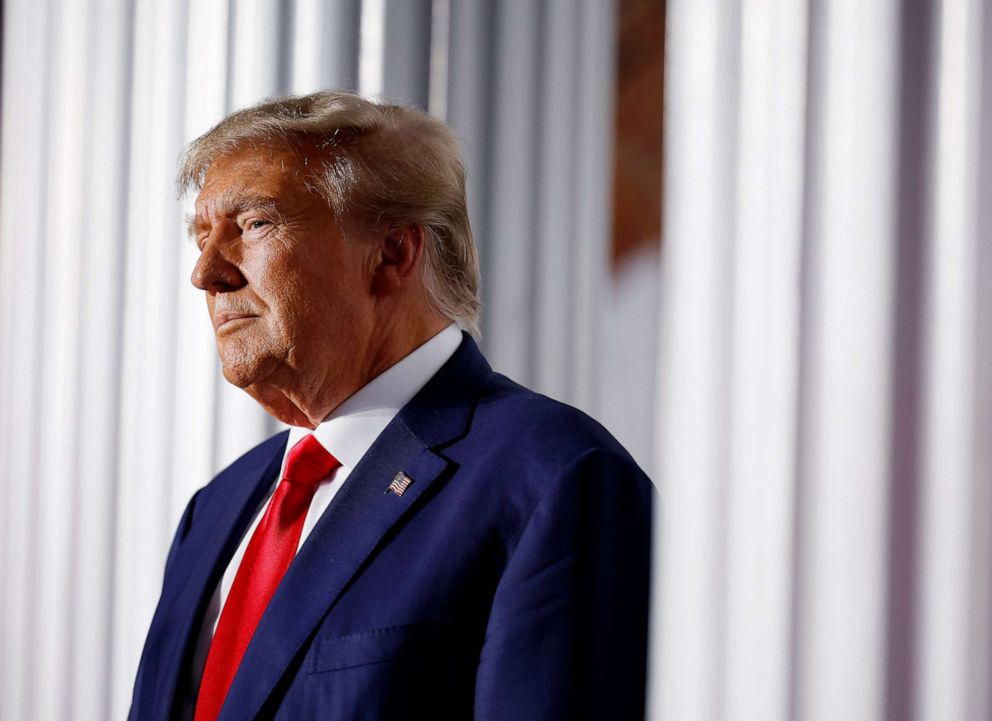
x,y
509,581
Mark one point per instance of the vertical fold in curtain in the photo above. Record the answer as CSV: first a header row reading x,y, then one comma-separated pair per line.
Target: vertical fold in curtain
x,y
26,108
151,248
953,600
823,409
980,516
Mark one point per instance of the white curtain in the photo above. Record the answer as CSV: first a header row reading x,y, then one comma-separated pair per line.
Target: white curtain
x,y
824,436
112,407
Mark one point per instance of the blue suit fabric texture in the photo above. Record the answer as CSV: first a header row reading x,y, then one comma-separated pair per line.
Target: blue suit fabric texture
x,y
509,581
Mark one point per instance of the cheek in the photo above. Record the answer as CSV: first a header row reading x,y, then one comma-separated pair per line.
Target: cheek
x,y
295,309
273,279
309,292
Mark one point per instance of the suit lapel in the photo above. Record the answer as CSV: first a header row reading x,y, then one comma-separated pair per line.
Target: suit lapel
x,y
355,524
346,535
215,544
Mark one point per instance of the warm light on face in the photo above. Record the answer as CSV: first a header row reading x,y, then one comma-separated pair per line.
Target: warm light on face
x,y
287,294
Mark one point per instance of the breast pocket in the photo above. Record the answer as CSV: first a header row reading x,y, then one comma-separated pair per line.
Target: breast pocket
x,y
409,671
376,646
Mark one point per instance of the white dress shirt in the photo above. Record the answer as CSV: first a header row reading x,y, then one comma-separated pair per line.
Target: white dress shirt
x,y
347,434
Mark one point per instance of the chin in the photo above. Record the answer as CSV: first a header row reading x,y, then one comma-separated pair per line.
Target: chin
x,y
245,361
238,376
242,371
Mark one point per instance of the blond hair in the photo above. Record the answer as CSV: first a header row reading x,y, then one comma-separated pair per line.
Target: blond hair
x,y
382,164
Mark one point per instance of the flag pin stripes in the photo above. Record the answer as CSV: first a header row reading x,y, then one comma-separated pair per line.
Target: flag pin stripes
x,y
401,482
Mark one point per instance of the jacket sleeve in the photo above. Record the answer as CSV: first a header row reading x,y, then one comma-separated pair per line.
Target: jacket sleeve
x,y
567,634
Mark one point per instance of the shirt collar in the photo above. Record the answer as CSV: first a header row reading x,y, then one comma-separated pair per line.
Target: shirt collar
x,y
353,426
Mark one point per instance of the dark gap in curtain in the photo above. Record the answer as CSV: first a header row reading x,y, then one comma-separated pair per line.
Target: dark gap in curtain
x,y
815,52
915,63
537,160
285,32
485,141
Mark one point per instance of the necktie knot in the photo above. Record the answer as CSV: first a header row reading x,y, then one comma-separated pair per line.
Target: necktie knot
x,y
308,462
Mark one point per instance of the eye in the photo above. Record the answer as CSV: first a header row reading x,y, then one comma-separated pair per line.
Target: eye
x,y
256,224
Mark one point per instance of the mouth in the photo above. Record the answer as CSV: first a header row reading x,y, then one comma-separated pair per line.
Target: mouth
x,y
229,319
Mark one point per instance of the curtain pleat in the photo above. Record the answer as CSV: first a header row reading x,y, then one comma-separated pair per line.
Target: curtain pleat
x,y
823,391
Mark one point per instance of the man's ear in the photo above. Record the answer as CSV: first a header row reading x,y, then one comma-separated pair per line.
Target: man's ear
x,y
399,256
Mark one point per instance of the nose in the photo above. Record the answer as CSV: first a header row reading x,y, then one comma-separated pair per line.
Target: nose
x,y
215,272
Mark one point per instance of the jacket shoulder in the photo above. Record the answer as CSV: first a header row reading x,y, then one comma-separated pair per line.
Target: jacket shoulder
x,y
537,414
222,486
516,425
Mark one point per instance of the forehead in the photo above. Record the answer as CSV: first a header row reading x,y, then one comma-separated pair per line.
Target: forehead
x,y
266,172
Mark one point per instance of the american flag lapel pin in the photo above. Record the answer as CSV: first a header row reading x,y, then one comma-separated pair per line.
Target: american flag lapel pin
x,y
401,481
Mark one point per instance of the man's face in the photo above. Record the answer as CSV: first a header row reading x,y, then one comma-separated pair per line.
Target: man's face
x,y
288,296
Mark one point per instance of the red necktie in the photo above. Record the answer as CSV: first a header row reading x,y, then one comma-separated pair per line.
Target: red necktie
x,y
269,553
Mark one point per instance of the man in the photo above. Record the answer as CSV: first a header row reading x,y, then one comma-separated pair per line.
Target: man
x,y
430,539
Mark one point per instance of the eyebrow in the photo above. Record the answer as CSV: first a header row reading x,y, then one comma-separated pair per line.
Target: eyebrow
x,y
232,204
193,224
